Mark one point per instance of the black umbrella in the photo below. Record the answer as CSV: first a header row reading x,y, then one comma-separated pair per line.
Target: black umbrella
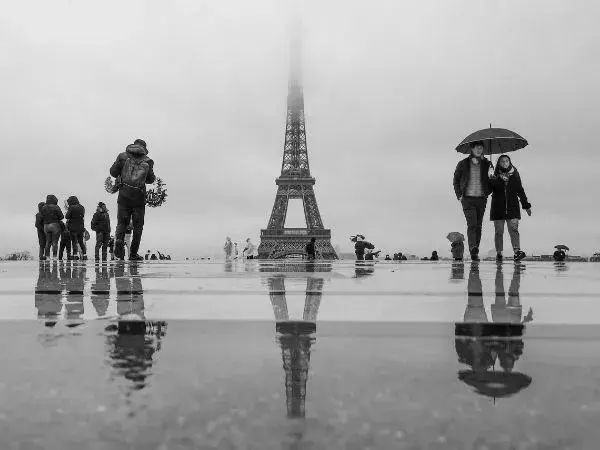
x,y
495,384
495,141
561,247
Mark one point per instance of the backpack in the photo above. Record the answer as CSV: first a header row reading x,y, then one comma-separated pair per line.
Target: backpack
x,y
134,173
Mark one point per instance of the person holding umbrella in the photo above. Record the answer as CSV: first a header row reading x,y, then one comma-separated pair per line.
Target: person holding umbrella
x,y
472,176
472,187
507,191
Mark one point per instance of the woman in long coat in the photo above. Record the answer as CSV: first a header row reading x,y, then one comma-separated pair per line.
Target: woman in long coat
x,y
507,192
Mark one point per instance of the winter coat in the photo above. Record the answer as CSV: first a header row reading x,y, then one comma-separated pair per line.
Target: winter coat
x,y
310,248
101,222
462,174
39,222
130,197
458,249
51,212
75,215
360,246
506,196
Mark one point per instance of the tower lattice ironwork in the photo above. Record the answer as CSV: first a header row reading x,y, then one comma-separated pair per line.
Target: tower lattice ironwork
x,y
295,182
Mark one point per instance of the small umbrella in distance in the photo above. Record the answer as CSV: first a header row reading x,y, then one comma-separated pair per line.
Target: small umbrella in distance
x,y
455,236
561,247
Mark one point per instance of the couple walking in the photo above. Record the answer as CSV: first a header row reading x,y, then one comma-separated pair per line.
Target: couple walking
x,y
474,182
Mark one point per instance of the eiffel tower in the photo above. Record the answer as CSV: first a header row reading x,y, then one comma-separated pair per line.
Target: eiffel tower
x,y
295,182
296,338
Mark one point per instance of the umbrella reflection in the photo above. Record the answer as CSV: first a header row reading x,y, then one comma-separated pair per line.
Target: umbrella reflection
x,y
132,342
480,344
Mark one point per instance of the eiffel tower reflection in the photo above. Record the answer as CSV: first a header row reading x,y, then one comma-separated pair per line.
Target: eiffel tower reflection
x,y
296,336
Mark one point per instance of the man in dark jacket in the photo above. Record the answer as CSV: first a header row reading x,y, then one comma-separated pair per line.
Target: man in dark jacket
x,y
472,187
101,225
39,225
76,226
135,170
360,247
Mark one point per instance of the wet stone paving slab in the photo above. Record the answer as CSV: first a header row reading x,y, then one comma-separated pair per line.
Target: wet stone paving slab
x,y
277,355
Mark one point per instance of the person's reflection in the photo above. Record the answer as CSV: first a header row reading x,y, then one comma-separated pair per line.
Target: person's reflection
x,y
132,342
48,292
363,269
479,344
511,311
73,277
560,266
457,271
100,289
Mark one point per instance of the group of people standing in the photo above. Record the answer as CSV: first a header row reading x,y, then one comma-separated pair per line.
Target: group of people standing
x,y
232,252
134,170
474,180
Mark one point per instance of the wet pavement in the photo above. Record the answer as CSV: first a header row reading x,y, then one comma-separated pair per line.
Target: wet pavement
x,y
172,355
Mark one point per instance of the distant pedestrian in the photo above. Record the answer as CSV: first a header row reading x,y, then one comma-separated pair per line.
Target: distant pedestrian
x,y
370,255
235,251
559,255
458,250
51,217
101,225
39,225
507,191
76,225
472,187
387,258
249,250
434,256
65,242
360,247
135,170
228,249
311,249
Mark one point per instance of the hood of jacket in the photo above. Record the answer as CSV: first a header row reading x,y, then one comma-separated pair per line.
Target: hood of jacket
x,y
51,200
136,150
40,206
72,200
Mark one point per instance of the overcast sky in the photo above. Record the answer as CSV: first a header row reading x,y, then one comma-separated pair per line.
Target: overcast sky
x,y
391,87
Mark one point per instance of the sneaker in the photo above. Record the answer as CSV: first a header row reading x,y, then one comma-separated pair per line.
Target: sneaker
x,y
499,257
519,255
136,257
119,249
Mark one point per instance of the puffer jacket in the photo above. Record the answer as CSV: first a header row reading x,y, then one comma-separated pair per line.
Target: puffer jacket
x,y
101,222
75,215
39,221
51,212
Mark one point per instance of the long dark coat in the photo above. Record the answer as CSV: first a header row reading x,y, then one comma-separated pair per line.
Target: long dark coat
x,y
506,197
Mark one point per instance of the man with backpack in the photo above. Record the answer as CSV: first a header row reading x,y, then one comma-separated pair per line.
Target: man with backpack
x,y
135,170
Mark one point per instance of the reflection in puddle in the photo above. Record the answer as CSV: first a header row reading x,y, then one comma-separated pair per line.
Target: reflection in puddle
x,y
481,344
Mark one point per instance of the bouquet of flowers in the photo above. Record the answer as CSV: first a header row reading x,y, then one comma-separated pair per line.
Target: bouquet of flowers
x,y
157,195
112,187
